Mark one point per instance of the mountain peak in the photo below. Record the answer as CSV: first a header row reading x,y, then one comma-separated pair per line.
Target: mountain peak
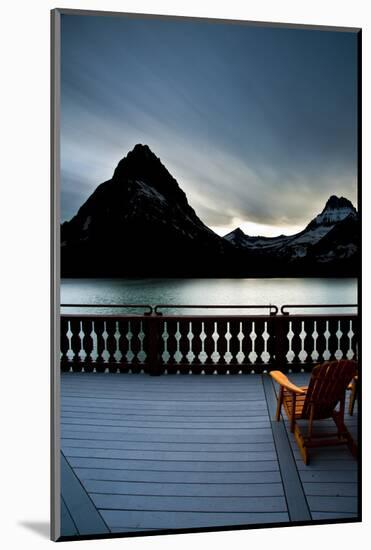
x,y
142,151
140,146
237,232
236,237
141,165
336,210
139,159
335,203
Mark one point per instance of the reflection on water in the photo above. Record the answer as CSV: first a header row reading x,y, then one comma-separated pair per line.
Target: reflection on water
x,y
206,291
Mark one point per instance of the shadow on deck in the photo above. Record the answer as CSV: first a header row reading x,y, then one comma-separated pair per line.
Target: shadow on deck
x,y
143,453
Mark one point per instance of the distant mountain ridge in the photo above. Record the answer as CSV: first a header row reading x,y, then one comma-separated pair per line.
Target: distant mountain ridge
x,y
336,225
139,223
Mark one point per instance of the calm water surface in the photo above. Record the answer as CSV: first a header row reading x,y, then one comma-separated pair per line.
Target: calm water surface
x,y
206,291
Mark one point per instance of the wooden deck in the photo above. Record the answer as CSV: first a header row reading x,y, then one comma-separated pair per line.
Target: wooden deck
x,y
142,453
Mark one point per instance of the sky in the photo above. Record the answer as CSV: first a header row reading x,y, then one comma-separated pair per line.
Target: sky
x,y
257,124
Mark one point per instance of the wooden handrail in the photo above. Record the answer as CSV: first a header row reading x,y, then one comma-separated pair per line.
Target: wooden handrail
x,y
115,306
316,306
273,310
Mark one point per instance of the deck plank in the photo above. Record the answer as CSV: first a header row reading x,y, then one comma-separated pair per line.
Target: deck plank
x,y
195,448
179,477
172,456
263,435
84,515
181,503
173,405
341,504
328,476
333,515
157,520
331,489
175,466
190,425
185,489
68,526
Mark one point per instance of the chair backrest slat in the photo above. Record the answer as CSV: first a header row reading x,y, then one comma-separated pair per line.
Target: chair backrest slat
x,y
327,387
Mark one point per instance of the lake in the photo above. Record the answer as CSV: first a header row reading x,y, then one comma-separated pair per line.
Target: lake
x,y
277,291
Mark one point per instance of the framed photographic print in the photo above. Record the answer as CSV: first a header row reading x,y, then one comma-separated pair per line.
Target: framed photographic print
x,y
206,274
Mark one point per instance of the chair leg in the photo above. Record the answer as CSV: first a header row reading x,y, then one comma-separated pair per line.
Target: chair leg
x,y
301,444
310,423
344,434
338,417
352,445
353,397
279,404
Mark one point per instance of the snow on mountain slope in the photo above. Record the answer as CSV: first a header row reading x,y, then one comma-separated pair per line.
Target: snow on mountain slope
x,y
333,215
311,236
149,192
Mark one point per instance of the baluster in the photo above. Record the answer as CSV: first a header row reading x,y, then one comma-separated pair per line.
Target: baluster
x,y
247,346
172,346
321,339
222,328
259,366
135,345
123,345
332,341
234,346
65,345
344,340
184,345
75,327
146,329
296,326
309,344
111,344
163,337
87,343
99,329
209,366
196,346
270,343
143,336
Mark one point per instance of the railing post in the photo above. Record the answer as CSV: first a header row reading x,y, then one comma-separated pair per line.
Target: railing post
x,y
154,366
279,342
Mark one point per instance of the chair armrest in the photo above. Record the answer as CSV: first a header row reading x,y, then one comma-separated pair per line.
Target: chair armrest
x,y
283,381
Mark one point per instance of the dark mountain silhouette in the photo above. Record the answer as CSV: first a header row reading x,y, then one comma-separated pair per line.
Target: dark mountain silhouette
x,y
139,223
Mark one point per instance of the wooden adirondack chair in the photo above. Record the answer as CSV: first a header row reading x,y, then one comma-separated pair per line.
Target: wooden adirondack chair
x,y
323,398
